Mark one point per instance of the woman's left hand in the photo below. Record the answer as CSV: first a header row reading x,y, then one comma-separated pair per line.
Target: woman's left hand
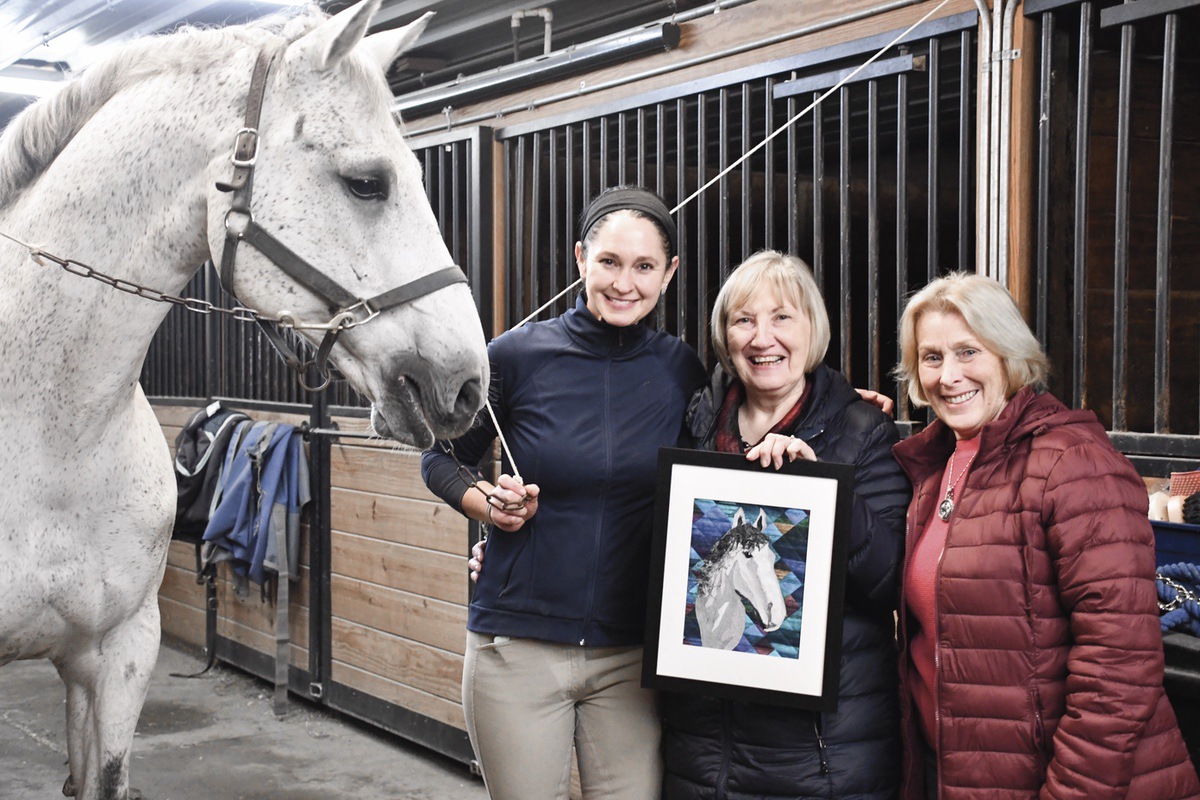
x,y
774,447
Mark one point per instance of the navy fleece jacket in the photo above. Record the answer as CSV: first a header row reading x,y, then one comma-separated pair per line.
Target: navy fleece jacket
x,y
584,406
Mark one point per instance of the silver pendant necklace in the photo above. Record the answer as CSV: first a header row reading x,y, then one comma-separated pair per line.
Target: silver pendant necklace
x,y
946,507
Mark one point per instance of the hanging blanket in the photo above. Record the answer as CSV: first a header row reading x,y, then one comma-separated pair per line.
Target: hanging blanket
x,y
259,496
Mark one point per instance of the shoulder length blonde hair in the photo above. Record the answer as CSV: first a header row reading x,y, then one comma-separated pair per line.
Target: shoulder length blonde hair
x,y
989,311
791,280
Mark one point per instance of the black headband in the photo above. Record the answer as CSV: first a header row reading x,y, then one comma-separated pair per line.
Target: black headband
x,y
641,200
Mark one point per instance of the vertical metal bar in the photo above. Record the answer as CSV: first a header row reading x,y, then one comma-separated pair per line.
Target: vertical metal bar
x,y
1082,149
818,204
723,184
457,202
320,611
1162,252
480,245
690,266
873,234
965,159
621,133
552,212
793,180
901,220
701,261
439,183
535,222
931,209
844,230
586,133
769,167
1042,256
1120,352
603,153
640,150
660,148
747,179
572,165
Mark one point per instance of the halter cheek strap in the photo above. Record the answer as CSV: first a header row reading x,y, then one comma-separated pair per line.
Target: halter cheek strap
x,y
347,309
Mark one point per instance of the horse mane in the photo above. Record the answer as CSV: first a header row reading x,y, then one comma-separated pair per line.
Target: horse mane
x,y
743,537
39,133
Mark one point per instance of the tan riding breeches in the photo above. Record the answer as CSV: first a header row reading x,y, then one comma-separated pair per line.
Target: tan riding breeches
x,y
526,701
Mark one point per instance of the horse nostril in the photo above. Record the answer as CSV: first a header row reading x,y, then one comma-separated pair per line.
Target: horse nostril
x,y
470,398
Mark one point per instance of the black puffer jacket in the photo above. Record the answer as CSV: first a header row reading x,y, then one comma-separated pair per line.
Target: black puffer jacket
x,y
724,750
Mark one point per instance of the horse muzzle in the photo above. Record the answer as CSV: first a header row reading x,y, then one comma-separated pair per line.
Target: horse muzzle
x,y
421,404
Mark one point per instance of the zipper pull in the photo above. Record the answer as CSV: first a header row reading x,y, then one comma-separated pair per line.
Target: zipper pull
x,y
821,747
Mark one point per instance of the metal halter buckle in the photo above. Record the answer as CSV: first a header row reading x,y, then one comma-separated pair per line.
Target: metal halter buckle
x,y
249,138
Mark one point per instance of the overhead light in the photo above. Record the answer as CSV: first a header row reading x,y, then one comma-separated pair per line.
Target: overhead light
x,y
534,71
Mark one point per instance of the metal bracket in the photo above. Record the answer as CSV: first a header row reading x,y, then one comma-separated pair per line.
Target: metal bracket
x,y
316,690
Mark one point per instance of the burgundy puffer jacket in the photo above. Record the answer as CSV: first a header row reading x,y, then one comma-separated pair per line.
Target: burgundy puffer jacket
x,y
1050,660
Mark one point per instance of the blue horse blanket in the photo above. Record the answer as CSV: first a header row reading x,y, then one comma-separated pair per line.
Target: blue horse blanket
x,y
263,488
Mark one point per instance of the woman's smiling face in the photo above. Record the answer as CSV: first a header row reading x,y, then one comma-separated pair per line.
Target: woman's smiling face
x,y
963,381
768,341
625,268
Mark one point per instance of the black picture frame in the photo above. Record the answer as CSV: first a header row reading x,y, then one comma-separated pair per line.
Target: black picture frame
x,y
711,506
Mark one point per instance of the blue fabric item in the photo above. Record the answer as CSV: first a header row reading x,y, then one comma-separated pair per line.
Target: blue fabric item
x,y
263,488
1179,592
584,407
717,749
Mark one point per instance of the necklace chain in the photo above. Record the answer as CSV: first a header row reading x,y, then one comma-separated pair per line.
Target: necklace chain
x,y
946,507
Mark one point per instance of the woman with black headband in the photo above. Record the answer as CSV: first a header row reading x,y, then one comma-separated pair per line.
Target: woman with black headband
x,y
585,400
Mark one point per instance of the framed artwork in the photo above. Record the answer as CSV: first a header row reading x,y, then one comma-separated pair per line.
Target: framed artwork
x,y
747,578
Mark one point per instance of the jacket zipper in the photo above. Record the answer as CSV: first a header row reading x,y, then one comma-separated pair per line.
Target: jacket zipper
x,y
822,753
937,661
596,535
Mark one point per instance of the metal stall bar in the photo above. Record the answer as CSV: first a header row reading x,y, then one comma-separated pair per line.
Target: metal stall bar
x,y
966,226
769,164
723,159
1162,250
873,235
932,144
901,221
1042,257
1083,116
1120,322
844,319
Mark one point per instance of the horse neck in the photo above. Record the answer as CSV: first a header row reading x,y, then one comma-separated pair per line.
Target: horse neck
x,y
126,196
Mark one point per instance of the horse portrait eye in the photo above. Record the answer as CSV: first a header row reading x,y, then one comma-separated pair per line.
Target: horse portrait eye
x,y
747,554
367,188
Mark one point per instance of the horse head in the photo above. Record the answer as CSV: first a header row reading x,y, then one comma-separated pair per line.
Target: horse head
x,y
754,570
335,180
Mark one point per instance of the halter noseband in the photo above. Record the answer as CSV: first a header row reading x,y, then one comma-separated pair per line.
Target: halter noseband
x,y
240,226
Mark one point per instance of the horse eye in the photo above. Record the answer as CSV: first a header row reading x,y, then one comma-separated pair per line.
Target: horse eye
x,y
367,188
747,554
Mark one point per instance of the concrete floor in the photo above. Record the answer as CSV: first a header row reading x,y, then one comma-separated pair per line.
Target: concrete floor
x,y
217,737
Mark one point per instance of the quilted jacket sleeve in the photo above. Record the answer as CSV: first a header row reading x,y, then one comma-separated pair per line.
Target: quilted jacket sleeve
x,y
881,494
1103,550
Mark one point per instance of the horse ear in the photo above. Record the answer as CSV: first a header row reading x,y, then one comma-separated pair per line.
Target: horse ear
x,y
329,42
761,522
739,517
385,47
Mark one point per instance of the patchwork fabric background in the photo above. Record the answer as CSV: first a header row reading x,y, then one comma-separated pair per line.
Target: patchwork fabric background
x,y
787,528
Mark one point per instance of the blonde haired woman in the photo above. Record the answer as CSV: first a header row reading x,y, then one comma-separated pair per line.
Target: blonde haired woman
x,y
772,399
1031,659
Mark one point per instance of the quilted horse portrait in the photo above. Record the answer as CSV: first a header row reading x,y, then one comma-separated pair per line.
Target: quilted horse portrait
x,y
740,565
141,168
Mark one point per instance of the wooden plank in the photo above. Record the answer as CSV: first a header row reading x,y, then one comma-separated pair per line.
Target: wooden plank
x,y
182,555
180,586
400,613
181,621
172,415
255,614
411,569
419,523
374,469
424,703
261,642
420,666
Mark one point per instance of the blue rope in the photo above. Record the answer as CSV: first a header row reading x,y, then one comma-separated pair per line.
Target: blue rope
x,y
1178,588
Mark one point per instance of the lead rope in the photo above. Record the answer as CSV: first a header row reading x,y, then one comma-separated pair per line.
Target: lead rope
x,y
795,118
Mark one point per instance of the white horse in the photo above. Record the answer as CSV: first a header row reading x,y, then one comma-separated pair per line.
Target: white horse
x,y
120,170
740,563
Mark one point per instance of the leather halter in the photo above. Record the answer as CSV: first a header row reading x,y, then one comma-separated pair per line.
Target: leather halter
x,y
348,310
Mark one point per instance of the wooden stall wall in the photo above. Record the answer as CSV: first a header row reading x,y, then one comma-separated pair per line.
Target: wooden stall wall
x,y
398,581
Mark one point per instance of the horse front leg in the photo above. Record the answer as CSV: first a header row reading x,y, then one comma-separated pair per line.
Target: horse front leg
x,y
110,682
